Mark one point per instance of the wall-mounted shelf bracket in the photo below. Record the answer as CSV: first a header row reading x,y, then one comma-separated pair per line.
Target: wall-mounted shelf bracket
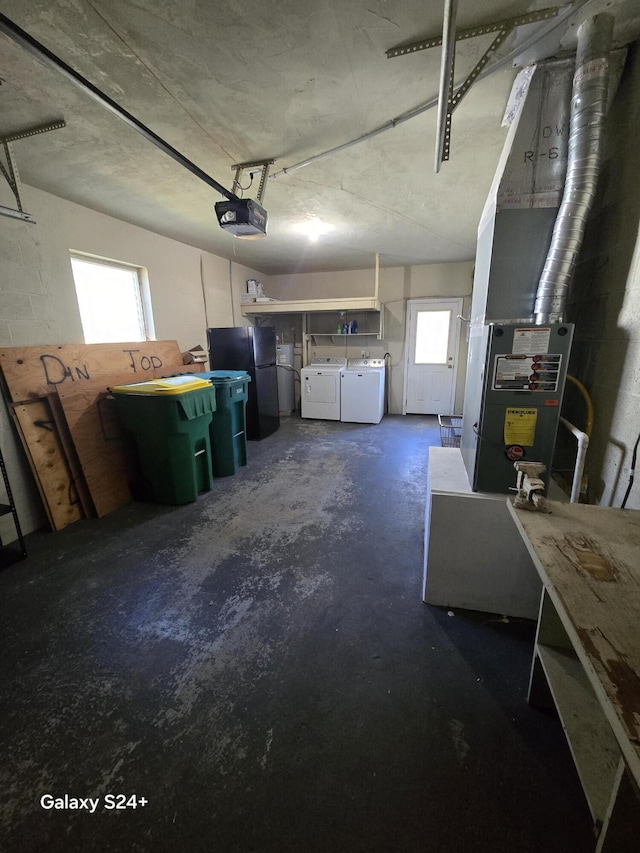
x,y
18,551
261,166
9,168
447,101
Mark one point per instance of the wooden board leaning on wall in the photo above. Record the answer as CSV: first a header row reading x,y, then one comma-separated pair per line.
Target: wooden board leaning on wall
x,y
48,462
32,372
105,451
56,393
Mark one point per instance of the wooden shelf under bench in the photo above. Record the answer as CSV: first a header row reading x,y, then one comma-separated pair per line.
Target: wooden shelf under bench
x,y
586,661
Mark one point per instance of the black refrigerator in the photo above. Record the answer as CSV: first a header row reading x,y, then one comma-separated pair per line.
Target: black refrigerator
x,y
251,348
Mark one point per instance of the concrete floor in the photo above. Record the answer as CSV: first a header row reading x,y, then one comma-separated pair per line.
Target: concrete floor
x,y
260,667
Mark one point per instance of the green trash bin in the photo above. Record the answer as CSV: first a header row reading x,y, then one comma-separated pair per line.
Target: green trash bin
x,y
229,423
170,419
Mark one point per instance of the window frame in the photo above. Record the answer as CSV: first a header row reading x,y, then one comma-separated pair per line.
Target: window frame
x,y
142,290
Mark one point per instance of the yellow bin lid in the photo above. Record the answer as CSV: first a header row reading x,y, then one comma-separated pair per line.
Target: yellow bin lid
x,y
164,387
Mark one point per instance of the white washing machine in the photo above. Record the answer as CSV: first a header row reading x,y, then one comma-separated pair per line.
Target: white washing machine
x,y
362,391
321,388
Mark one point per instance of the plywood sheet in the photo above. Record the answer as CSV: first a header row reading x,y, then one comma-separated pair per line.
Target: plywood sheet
x,y
103,449
32,466
48,462
66,441
33,372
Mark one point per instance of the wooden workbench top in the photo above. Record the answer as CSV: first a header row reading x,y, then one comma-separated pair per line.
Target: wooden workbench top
x,y
588,558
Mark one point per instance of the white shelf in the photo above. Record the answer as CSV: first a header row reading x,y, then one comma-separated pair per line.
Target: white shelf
x,y
312,306
340,339
593,746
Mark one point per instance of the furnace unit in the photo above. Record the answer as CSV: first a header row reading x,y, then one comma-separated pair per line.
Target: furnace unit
x,y
523,379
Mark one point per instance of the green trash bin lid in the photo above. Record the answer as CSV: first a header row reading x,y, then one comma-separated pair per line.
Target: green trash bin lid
x,y
223,377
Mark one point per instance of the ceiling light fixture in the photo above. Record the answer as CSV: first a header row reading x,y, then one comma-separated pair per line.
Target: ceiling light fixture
x,y
314,228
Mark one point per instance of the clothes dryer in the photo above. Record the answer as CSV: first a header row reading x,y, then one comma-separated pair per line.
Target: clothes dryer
x,y
362,391
321,388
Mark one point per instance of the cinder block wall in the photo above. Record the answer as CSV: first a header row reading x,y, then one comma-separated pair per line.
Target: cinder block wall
x,y
605,303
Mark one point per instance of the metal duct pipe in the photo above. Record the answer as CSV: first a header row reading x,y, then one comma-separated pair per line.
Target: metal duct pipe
x,y
588,108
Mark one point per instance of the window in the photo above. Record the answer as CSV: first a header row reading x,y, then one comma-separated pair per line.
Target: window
x,y
432,337
113,300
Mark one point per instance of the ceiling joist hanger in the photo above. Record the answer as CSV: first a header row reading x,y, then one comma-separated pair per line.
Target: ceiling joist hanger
x,y
448,100
9,168
261,166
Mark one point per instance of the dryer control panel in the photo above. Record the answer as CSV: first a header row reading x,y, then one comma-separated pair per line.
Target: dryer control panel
x,y
365,362
327,361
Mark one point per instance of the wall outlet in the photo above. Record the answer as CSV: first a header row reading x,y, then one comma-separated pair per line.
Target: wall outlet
x,y
363,353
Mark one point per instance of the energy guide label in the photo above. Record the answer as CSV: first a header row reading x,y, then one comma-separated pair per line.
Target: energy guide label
x,y
538,372
520,427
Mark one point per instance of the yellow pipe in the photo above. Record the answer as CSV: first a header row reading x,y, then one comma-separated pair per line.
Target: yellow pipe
x,y
587,400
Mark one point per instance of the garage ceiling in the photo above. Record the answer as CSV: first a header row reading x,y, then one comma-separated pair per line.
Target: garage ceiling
x,y
250,80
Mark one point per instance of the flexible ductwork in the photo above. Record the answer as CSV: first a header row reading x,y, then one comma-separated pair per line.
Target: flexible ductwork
x,y
588,109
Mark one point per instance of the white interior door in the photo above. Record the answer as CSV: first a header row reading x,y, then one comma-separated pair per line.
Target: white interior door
x,y
432,337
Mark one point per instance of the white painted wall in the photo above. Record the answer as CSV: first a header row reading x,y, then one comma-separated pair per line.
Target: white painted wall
x,y
396,286
436,280
190,291
322,285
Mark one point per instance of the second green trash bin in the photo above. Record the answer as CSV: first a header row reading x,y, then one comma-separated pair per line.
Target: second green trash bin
x,y
170,419
229,423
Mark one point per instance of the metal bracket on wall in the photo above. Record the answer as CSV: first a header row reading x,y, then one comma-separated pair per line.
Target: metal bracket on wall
x,y
261,166
9,168
447,101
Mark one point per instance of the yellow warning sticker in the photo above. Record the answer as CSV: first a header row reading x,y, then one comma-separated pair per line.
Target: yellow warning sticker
x,y
520,426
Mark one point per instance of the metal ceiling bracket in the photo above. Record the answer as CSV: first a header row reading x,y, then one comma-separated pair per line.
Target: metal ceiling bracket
x,y
446,102
447,66
35,131
262,166
16,214
485,29
462,90
9,167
